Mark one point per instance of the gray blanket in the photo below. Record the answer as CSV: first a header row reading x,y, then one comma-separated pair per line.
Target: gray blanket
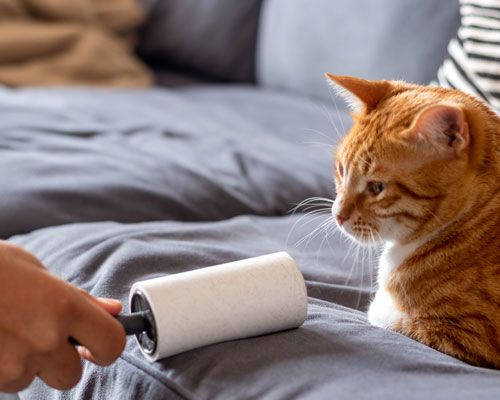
x,y
108,188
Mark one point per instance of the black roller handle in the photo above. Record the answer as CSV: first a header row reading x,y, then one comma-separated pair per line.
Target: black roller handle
x,y
134,323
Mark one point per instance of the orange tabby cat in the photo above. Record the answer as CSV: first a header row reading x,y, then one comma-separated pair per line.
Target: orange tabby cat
x,y
420,170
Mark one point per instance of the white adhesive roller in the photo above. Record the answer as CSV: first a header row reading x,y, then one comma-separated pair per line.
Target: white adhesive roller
x,y
230,301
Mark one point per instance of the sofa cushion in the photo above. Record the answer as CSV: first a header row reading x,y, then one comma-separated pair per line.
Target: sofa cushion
x,y
211,38
386,39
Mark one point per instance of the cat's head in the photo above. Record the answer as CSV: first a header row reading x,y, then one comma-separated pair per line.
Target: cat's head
x,y
405,169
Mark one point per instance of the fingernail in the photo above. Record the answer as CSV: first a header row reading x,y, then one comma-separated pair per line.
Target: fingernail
x,y
111,302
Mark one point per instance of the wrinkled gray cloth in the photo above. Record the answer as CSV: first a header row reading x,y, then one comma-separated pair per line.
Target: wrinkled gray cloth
x,y
131,156
335,354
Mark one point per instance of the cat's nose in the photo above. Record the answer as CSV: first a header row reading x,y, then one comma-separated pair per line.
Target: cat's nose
x,y
341,219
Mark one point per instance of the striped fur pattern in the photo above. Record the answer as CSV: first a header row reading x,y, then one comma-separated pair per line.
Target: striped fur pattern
x,y
473,63
420,171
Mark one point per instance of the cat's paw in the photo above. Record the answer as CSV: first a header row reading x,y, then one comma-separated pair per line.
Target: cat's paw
x,y
383,312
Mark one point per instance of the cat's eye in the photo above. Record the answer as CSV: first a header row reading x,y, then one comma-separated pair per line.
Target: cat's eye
x,y
375,187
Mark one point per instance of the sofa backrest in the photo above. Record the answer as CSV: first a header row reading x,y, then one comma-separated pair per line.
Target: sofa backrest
x,y
210,39
299,40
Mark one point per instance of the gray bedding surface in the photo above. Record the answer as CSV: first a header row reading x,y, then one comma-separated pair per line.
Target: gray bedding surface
x,y
131,156
108,188
335,354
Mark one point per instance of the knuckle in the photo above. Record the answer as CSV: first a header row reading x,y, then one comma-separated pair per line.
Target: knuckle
x,y
83,292
64,304
62,369
47,342
11,250
10,373
71,372
69,380
19,384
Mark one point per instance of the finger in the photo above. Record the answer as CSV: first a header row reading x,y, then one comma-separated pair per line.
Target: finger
x,y
11,251
16,369
18,384
15,376
112,306
61,369
85,353
95,329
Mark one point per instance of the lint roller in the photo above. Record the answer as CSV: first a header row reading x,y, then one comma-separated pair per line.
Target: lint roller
x,y
251,297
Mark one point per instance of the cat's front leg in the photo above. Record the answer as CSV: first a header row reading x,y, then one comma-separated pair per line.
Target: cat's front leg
x,y
383,312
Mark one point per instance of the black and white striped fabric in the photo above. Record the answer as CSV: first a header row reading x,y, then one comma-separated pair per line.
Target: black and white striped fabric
x,y
473,64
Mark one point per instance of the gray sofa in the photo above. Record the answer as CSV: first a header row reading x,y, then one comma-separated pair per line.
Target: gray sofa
x,y
111,187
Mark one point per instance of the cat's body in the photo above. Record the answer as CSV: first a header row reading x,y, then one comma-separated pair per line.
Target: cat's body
x,y
420,170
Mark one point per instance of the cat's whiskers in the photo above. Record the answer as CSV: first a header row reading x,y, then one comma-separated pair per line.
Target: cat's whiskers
x,y
353,258
310,216
315,233
358,254
360,263
332,145
379,243
339,135
338,113
362,273
333,94
430,212
337,131
320,207
331,227
329,148
312,200
367,261
371,263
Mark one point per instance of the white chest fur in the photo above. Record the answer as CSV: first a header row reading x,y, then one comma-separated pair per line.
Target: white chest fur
x,y
383,312
392,257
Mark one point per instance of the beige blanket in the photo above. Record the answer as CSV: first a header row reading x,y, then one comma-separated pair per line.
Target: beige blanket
x,y
70,42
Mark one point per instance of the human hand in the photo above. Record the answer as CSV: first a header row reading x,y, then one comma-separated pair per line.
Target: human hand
x,y
39,312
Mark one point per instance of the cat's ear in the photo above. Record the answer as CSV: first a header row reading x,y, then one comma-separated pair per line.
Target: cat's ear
x,y
442,126
359,92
